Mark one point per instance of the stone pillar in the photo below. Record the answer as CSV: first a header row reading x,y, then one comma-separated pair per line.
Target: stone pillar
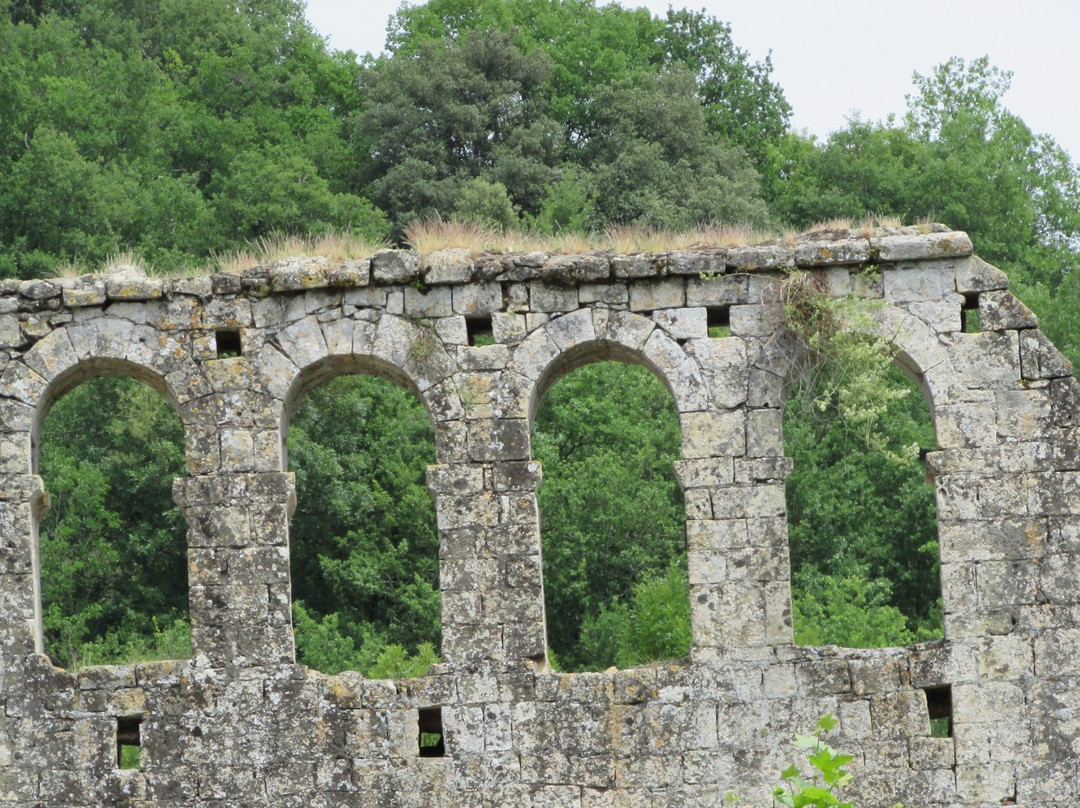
x,y
238,561
22,501
490,563
237,505
736,532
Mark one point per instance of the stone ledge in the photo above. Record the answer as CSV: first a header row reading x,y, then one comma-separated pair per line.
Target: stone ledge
x,y
821,249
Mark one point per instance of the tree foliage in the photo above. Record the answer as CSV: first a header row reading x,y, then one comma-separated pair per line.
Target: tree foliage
x,y
113,544
958,156
643,119
862,522
365,554
171,128
611,514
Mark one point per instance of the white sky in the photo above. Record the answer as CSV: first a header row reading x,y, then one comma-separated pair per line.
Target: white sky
x,y
835,56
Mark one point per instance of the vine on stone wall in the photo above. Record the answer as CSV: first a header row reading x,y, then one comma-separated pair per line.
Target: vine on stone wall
x,y
842,364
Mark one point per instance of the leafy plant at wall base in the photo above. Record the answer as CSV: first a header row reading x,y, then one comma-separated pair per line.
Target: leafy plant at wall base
x,y
828,775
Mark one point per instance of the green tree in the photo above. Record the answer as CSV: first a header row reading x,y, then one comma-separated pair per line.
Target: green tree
x,y
862,523
652,623
455,112
365,553
959,156
113,548
611,509
743,105
590,46
652,161
173,128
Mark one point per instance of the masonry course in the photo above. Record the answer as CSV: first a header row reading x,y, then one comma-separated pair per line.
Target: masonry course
x,y
240,724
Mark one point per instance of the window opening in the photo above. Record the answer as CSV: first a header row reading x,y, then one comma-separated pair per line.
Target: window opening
x,y
479,330
114,573
718,321
430,732
363,541
969,313
228,342
862,522
939,709
613,520
128,742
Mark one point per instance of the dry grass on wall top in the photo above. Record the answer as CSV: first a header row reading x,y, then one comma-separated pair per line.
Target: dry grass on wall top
x,y
432,235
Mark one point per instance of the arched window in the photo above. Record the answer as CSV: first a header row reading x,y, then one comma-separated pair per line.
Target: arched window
x,y
363,542
862,520
612,519
114,581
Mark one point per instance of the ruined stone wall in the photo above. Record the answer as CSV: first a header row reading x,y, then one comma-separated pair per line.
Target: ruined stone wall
x,y
240,724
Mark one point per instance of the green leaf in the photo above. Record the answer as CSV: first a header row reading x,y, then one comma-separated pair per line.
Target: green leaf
x,y
828,722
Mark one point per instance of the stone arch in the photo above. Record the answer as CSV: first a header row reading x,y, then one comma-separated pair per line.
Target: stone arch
x,y
918,351
585,337
54,365
68,357
172,576
388,351
309,353
920,354
589,335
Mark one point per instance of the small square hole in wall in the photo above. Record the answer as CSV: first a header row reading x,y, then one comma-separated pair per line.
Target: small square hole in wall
x,y
228,343
479,330
969,313
430,732
128,744
718,320
939,708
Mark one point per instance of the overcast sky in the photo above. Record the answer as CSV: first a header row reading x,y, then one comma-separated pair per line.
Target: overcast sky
x,y
835,56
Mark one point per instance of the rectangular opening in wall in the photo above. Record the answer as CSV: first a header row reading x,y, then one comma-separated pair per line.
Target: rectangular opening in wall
x,y
969,313
228,343
479,330
430,733
718,320
939,708
128,744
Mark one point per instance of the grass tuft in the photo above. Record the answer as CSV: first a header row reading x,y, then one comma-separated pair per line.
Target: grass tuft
x,y
334,245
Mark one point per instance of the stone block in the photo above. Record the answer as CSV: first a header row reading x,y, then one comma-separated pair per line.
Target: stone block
x,y
395,266
1000,310
477,298
724,290
682,324
669,293
451,266
911,283
611,294
632,266
975,275
713,434
1039,359
434,302
544,298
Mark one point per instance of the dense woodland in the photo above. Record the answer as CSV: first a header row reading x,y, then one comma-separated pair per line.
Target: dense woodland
x,y
181,130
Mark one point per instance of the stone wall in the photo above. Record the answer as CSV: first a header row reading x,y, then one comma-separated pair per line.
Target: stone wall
x,y
241,724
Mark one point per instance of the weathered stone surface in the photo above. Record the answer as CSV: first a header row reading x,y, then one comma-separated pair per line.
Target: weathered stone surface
x,y
395,266
448,266
664,294
303,272
683,323
1000,310
130,283
241,724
